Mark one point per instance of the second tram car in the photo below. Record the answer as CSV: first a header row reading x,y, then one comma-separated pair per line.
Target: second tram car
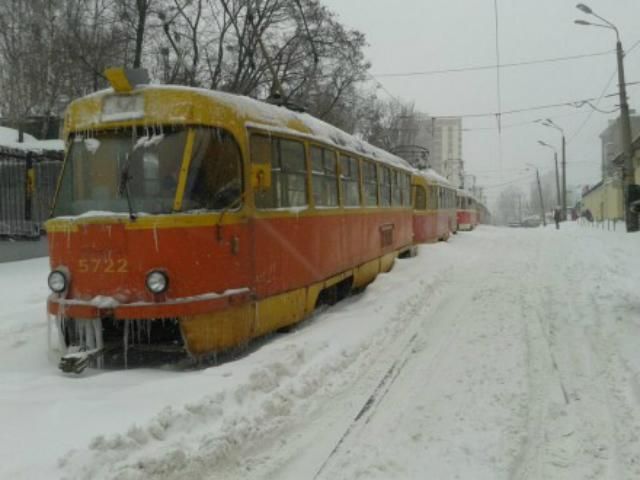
x,y
434,215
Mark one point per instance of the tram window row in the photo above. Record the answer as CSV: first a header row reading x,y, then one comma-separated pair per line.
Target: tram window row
x,y
334,178
434,197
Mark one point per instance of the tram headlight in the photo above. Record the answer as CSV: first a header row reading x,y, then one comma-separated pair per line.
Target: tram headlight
x,y
57,281
157,281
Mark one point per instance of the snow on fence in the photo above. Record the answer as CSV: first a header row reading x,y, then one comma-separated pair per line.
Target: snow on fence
x,y
28,181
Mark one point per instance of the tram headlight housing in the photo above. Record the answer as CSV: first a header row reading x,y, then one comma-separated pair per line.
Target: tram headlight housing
x,y
57,281
157,281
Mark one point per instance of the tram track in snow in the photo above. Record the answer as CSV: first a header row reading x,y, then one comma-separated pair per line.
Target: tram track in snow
x,y
440,316
378,394
370,406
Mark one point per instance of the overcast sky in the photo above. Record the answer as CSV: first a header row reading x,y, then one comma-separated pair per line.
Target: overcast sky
x,y
421,35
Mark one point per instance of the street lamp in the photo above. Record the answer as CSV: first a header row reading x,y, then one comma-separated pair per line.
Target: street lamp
x,y
544,220
547,122
631,219
555,158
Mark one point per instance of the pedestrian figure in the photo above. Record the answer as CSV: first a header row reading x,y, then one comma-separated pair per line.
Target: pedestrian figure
x,y
556,217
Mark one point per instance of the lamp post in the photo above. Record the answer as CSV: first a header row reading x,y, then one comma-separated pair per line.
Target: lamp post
x,y
631,219
547,122
544,219
464,176
555,158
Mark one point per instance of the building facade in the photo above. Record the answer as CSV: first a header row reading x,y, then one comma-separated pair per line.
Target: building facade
x,y
611,142
447,149
432,142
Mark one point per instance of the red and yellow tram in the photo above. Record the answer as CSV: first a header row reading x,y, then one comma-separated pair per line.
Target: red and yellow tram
x,y
198,220
467,210
434,215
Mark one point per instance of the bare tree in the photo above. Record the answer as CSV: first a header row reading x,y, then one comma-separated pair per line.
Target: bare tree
x,y
52,51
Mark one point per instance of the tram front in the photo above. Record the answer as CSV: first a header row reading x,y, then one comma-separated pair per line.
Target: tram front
x,y
148,233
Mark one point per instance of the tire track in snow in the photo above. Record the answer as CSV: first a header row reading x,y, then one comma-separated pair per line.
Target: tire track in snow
x,y
583,436
615,380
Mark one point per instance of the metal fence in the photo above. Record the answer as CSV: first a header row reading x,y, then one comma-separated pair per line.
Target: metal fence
x,y
27,184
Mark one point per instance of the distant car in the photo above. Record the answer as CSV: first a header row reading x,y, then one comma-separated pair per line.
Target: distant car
x,y
531,222
515,224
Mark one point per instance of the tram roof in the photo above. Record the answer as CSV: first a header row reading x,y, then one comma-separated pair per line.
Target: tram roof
x,y
433,176
468,194
248,111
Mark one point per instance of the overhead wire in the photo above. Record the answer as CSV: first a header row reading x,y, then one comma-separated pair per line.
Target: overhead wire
x,y
599,99
521,124
493,66
509,182
500,112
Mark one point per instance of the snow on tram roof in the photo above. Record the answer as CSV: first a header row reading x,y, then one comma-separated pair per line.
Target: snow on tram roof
x,y
279,119
431,174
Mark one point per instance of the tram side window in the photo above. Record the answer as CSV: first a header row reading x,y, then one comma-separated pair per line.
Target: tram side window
x,y
396,199
421,198
406,189
350,181
385,187
370,182
215,178
325,180
288,172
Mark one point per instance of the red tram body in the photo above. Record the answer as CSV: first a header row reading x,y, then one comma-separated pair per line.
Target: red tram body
x,y
467,211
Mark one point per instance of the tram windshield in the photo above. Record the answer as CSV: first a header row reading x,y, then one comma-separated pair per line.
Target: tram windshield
x,y
111,170
101,169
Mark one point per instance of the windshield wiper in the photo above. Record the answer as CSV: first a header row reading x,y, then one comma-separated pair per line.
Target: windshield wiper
x,y
123,188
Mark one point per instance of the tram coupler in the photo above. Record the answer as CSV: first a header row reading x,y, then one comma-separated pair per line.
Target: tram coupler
x,y
78,361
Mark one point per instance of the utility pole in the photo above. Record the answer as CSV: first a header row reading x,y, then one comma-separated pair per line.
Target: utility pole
x,y
547,122
555,160
564,177
628,170
544,220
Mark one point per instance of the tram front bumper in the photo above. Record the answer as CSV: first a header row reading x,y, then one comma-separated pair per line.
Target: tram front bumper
x,y
101,307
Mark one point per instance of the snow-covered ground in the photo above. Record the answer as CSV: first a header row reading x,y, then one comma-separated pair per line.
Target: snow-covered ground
x,y
502,354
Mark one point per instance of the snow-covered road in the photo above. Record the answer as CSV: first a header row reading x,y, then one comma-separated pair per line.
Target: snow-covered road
x,y
504,353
